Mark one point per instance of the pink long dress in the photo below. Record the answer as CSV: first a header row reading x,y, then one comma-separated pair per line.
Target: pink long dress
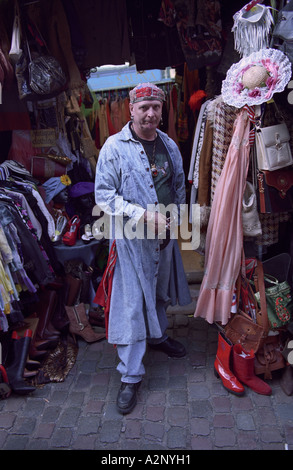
x,y
224,241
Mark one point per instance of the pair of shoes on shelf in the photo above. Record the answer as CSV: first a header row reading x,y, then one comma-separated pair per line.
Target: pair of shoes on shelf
x,y
70,237
127,397
171,347
87,236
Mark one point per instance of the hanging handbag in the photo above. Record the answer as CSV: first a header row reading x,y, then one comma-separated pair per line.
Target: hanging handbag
x,y
39,75
282,35
15,51
273,147
268,357
279,301
275,190
243,327
250,217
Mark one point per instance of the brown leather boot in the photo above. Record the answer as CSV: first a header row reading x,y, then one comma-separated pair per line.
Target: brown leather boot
x,y
74,286
79,325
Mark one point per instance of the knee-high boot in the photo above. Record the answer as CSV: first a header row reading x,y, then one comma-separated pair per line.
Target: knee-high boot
x,y
15,368
74,286
222,366
45,308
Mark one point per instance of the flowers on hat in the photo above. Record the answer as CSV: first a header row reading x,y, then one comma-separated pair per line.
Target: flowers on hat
x,y
65,180
254,79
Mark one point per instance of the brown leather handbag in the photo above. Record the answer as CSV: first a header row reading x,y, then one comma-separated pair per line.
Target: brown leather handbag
x,y
269,356
275,190
242,328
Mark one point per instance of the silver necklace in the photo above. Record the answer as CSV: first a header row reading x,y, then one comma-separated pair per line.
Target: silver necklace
x,y
152,159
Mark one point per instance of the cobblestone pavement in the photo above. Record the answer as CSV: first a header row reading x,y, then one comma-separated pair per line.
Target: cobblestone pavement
x,y
181,404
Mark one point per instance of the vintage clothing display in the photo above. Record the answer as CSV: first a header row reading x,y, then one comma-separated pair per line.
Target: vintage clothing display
x,y
224,142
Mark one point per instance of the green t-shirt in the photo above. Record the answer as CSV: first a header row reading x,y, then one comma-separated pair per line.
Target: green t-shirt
x,y
163,180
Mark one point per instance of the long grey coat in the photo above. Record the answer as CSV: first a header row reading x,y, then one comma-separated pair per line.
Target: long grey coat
x,y
123,189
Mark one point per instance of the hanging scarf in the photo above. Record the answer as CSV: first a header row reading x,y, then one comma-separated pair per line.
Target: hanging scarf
x,y
103,294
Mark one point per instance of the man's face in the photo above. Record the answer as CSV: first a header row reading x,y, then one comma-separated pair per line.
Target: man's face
x,y
146,115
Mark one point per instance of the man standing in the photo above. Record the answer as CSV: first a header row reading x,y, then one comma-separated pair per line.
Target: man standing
x,y
139,172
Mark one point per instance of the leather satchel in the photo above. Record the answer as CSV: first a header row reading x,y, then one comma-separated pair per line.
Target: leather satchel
x,y
242,329
273,147
275,191
269,357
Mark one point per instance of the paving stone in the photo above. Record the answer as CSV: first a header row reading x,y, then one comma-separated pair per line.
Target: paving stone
x,y
155,413
223,421
133,429
201,409
51,414
200,426
245,422
88,425
225,438
15,442
154,430
69,417
61,438
24,425
44,430
177,416
270,434
201,443
178,397
110,431
7,420
176,438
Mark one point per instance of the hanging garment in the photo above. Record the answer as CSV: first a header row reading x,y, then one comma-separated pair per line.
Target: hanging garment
x,y
224,242
223,122
199,28
172,120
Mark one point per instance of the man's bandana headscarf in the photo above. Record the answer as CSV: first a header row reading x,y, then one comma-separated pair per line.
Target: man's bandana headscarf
x,y
146,91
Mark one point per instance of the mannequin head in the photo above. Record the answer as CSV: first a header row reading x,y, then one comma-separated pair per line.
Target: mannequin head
x,y
56,189
62,197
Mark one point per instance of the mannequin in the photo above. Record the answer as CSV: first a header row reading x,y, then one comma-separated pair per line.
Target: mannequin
x,y
57,195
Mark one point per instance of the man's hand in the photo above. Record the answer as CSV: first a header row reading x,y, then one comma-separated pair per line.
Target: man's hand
x,y
156,222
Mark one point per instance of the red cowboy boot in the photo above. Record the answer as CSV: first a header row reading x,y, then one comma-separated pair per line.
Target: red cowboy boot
x,y
243,367
222,366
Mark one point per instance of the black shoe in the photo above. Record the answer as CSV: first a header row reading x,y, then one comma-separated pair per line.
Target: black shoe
x,y
171,347
126,399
